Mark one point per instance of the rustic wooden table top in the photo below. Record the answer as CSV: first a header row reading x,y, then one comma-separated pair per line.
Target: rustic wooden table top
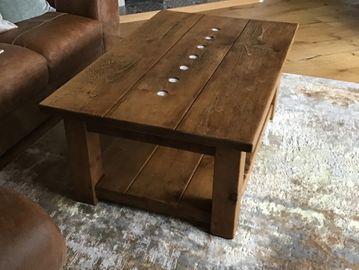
x,y
204,77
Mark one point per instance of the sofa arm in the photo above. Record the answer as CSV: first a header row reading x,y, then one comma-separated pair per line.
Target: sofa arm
x,y
106,11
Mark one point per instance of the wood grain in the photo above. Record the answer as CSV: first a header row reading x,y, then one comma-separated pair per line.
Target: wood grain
x,y
275,98
124,160
327,42
250,70
141,105
226,197
219,107
199,190
136,175
250,157
182,189
158,180
104,82
128,100
85,159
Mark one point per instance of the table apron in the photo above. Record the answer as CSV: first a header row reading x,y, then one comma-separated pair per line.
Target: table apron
x,y
173,139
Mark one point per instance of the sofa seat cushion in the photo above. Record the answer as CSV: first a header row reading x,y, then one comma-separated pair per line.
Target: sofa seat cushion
x,y
68,42
27,25
24,74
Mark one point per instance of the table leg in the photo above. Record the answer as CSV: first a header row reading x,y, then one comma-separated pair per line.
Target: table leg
x,y
85,159
274,101
274,104
226,197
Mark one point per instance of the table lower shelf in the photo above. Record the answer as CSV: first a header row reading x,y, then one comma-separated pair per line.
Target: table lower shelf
x,y
164,180
159,179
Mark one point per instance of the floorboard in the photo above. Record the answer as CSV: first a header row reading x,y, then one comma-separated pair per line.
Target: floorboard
x,y
327,43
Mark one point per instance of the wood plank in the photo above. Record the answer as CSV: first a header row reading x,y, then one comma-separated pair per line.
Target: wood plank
x,y
162,136
250,157
285,11
191,202
158,180
328,27
142,106
305,50
226,195
193,215
167,185
178,143
85,159
338,26
190,9
124,159
222,103
275,99
274,105
250,71
341,65
199,190
95,90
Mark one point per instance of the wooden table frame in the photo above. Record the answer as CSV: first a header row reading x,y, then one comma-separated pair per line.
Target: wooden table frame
x,y
230,164
144,132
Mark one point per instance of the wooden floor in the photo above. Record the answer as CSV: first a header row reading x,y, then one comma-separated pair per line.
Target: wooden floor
x,y
327,43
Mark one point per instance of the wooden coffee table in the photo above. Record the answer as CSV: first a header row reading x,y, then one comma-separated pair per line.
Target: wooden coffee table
x,y
185,99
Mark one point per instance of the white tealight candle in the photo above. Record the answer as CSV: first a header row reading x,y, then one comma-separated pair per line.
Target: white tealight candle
x,y
162,93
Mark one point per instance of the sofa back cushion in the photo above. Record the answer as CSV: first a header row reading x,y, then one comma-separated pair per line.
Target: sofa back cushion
x,y
6,25
19,10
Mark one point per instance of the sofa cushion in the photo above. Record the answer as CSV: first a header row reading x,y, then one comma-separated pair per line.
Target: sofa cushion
x,y
27,25
19,10
24,74
68,42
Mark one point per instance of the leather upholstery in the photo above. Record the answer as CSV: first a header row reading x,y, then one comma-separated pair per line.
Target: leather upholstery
x,y
28,237
105,11
51,2
27,25
24,74
22,121
68,42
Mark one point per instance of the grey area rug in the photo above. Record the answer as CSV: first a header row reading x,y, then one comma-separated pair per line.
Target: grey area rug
x,y
137,6
300,210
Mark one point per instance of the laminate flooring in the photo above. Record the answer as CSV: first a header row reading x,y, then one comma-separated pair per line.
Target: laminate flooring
x,y
327,42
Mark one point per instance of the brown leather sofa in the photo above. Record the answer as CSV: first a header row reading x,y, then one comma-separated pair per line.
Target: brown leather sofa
x,y
28,237
42,54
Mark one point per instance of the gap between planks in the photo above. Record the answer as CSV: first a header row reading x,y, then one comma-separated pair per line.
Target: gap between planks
x,y
111,108
192,202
